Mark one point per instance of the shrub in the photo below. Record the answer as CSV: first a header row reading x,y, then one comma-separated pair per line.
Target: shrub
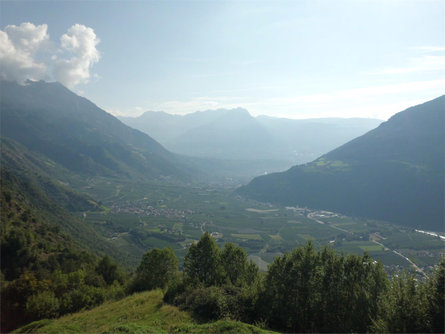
x,y
157,268
42,305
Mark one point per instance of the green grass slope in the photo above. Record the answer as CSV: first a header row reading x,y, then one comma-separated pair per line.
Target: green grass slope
x,y
140,313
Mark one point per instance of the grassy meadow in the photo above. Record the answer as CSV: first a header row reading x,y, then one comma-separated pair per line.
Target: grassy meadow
x,y
141,313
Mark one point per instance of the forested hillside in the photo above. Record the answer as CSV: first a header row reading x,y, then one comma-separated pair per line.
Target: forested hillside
x,y
50,119
393,173
37,181
306,290
46,269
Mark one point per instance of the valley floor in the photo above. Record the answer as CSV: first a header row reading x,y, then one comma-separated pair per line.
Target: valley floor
x,y
142,216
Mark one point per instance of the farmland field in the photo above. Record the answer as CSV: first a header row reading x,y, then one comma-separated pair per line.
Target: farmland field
x,y
139,217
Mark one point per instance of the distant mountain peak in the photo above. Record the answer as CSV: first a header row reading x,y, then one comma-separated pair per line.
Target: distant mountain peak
x,y
221,112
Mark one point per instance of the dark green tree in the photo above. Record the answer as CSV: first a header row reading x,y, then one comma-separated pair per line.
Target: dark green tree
x,y
403,309
238,270
109,271
436,298
312,291
42,305
202,264
364,282
157,268
16,252
290,290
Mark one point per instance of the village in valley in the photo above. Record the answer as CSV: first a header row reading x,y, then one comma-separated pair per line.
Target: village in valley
x,y
263,229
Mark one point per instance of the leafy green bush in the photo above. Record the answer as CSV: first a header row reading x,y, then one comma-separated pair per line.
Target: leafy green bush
x,y
207,303
42,305
156,270
109,271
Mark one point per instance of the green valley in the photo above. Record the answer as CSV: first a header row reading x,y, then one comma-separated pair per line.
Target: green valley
x,y
222,167
141,216
95,213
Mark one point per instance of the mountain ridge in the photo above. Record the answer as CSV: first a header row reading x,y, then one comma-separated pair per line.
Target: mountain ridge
x,y
394,172
234,134
69,129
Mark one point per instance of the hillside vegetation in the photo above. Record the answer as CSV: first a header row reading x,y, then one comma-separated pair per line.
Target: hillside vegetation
x,y
45,273
306,290
139,313
50,119
394,172
36,182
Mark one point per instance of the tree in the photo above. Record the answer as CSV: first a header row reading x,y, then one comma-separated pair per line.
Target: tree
x,y
436,298
42,305
234,262
289,290
313,291
16,252
157,268
202,263
403,307
108,270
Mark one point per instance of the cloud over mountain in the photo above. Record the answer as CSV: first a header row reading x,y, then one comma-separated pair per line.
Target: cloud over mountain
x,y
81,42
18,48
26,52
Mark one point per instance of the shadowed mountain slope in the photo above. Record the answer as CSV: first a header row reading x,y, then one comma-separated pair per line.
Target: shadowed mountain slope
x,y
50,119
26,176
394,172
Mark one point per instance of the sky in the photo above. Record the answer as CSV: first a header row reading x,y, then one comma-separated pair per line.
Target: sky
x,y
294,59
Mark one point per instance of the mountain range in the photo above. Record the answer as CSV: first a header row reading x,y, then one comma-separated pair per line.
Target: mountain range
x,y
394,172
57,146
72,131
254,145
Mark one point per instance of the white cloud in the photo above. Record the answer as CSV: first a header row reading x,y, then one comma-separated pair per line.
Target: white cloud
x,y
428,58
19,46
81,42
26,52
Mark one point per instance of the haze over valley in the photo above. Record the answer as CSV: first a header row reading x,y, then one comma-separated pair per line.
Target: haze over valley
x,y
292,179
249,146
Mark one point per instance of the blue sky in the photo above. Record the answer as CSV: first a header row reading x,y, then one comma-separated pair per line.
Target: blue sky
x,y
296,59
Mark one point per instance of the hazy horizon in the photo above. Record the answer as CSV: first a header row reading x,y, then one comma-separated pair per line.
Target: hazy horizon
x,y
235,108
294,168
305,59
